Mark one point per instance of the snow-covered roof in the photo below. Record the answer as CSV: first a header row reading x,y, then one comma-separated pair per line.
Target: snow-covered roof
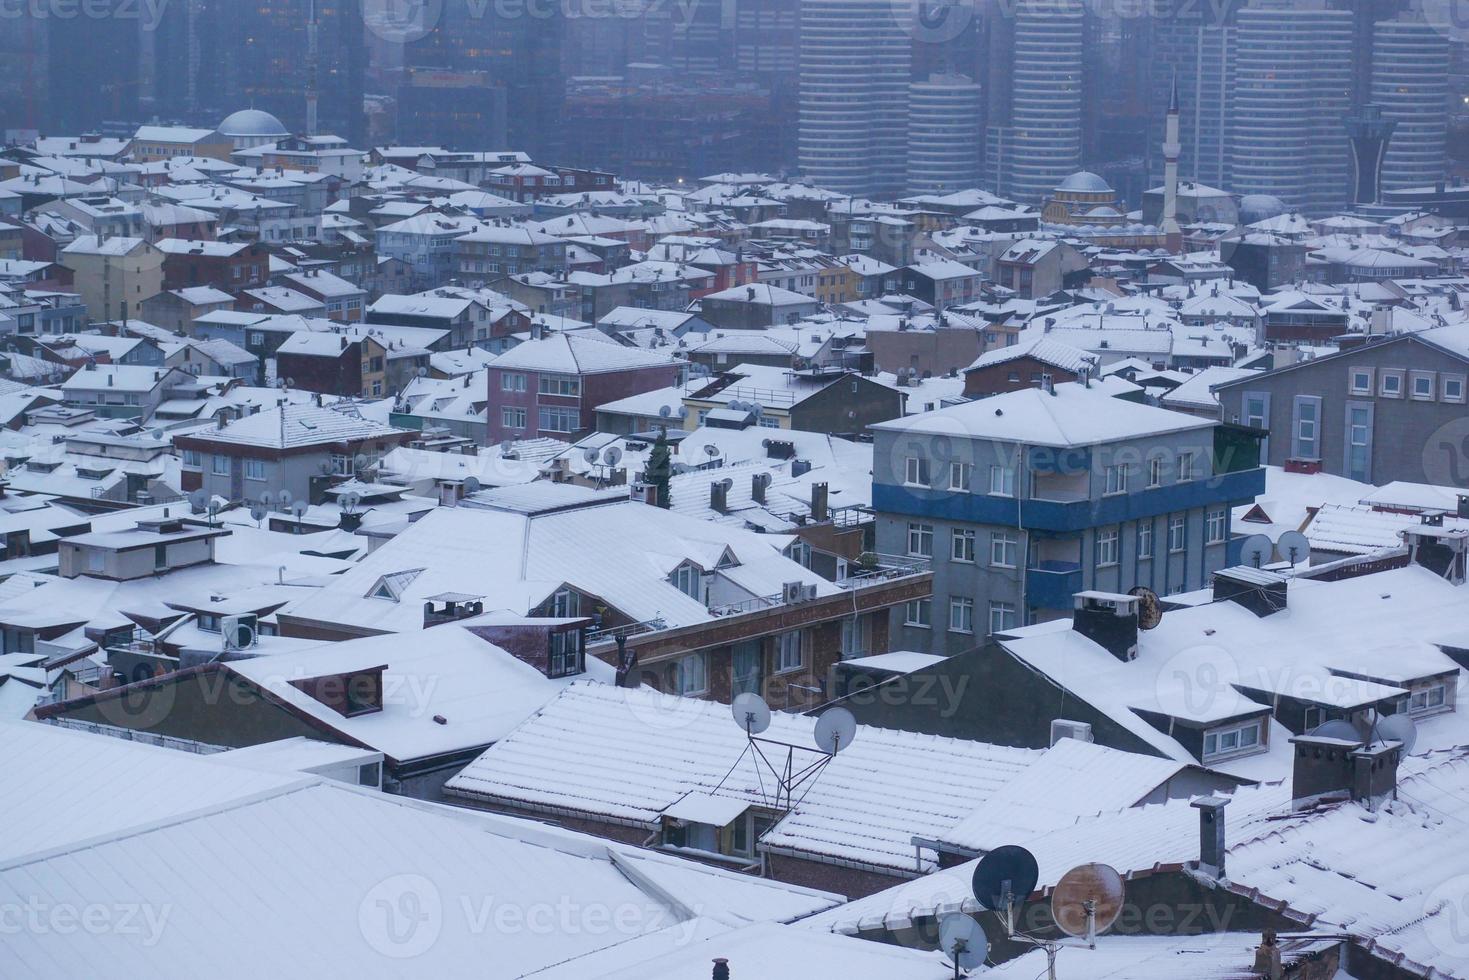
x,y
1196,392
1070,415
1043,349
296,425
631,755
563,353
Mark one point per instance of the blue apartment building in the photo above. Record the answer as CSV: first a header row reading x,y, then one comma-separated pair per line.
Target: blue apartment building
x,y
1024,499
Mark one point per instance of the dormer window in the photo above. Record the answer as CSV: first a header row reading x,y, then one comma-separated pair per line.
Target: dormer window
x,y
687,578
351,694
392,586
1233,740
567,655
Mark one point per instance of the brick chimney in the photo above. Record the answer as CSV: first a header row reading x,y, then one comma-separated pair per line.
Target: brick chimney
x,y
1328,769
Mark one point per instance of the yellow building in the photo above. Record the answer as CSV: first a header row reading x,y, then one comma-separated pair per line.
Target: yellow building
x,y
114,276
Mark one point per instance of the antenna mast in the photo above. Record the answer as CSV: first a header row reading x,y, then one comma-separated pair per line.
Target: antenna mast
x,y
313,57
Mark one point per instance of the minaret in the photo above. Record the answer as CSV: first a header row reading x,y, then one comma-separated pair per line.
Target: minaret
x,y
313,55
1172,233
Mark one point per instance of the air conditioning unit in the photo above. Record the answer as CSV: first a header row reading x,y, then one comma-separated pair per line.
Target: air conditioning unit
x,y
793,592
810,593
240,631
1061,728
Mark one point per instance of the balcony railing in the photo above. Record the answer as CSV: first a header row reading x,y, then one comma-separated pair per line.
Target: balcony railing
x,y
874,567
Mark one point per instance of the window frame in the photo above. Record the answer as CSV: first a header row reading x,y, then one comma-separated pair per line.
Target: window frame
x,y
1178,522
959,604
923,532
963,545
1007,545
917,472
1366,372
918,613
1108,547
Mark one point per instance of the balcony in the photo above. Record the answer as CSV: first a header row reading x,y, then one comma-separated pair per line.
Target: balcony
x,y
1051,584
1063,516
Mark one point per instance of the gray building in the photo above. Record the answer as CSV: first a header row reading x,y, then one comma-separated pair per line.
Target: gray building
x,y
1024,499
1393,409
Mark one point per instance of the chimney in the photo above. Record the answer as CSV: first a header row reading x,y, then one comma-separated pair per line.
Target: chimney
x,y
757,487
1268,965
1211,834
719,497
819,496
721,969
1324,769
800,467
1109,620
1440,550
1262,593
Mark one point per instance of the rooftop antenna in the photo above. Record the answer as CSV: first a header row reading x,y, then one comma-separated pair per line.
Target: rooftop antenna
x,y
299,509
1149,609
1294,546
835,730
963,941
313,59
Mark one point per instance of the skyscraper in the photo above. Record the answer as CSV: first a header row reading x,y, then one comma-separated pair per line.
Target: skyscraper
x,y
1292,94
855,66
1196,48
1034,139
1410,81
943,134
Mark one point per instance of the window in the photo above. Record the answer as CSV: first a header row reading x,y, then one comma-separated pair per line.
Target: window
x,y
220,465
961,614
1185,467
512,418
800,553
918,612
1002,480
962,545
1314,717
1145,540
1155,471
560,420
790,653
1426,699
1116,479
510,381
341,465
915,471
1227,741
1307,427
1002,617
1391,383
1453,388
960,476
1359,441
565,385
1360,381
1214,526
254,469
690,675
567,655
1422,385
1107,547
920,540
686,579
1177,533
1004,548
192,458
565,604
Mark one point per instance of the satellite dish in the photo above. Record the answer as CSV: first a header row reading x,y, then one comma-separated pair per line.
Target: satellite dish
x,y
198,500
1257,551
683,412
666,411
471,485
1005,878
727,483
267,499
590,455
360,460
612,456
1397,728
507,447
835,730
1294,546
963,941
1339,728
1149,609
751,713
711,450
350,501
257,514
1094,888
299,508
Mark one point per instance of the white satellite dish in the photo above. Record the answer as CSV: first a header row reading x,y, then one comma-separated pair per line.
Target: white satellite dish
x,y
591,456
1397,728
835,730
285,498
471,485
1294,547
1338,729
963,941
299,508
1256,551
612,456
751,713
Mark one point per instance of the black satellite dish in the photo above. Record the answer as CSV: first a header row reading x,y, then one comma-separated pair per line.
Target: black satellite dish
x,y
1149,609
1005,877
